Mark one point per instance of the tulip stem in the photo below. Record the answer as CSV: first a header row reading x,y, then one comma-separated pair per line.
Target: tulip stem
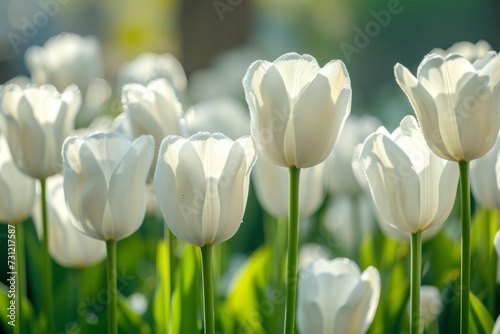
x,y
293,250
416,268
112,295
47,264
208,289
465,267
18,268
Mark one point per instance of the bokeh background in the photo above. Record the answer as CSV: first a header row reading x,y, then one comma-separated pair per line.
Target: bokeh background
x,y
216,41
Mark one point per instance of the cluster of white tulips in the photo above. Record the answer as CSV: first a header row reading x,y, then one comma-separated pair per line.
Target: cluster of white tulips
x,y
89,188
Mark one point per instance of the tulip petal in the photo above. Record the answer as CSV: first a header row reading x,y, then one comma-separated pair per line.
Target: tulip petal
x,y
269,105
180,171
389,172
297,72
128,185
324,107
426,110
85,187
233,188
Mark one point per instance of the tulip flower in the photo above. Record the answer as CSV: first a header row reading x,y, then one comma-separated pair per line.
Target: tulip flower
x,y
339,174
68,246
105,189
149,66
496,327
453,100
105,183
289,97
335,297
297,110
67,59
17,190
36,122
153,109
408,182
222,114
410,186
271,182
497,243
201,185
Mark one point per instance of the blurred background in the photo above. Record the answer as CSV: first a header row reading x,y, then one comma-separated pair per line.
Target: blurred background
x,y
216,41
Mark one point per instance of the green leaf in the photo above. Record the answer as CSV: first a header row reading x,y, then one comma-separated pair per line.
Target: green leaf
x,y
161,307
186,297
250,305
28,315
128,320
480,320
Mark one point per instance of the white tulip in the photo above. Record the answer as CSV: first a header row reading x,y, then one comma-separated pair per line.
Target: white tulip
x,y
105,183
339,174
201,185
455,100
17,190
36,122
497,243
496,328
335,297
67,246
153,110
271,187
297,108
485,178
67,59
412,188
147,67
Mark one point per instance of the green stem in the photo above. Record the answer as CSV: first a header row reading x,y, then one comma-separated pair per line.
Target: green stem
x,y
47,263
208,289
293,250
416,268
113,293
19,269
172,245
465,247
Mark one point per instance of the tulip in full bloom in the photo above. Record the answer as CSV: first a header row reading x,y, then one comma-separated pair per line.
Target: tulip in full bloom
x,y
335,297
271,185
201,185
17,190
485,178
455,100
412,188
36,122
297,108
105,183
67,246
